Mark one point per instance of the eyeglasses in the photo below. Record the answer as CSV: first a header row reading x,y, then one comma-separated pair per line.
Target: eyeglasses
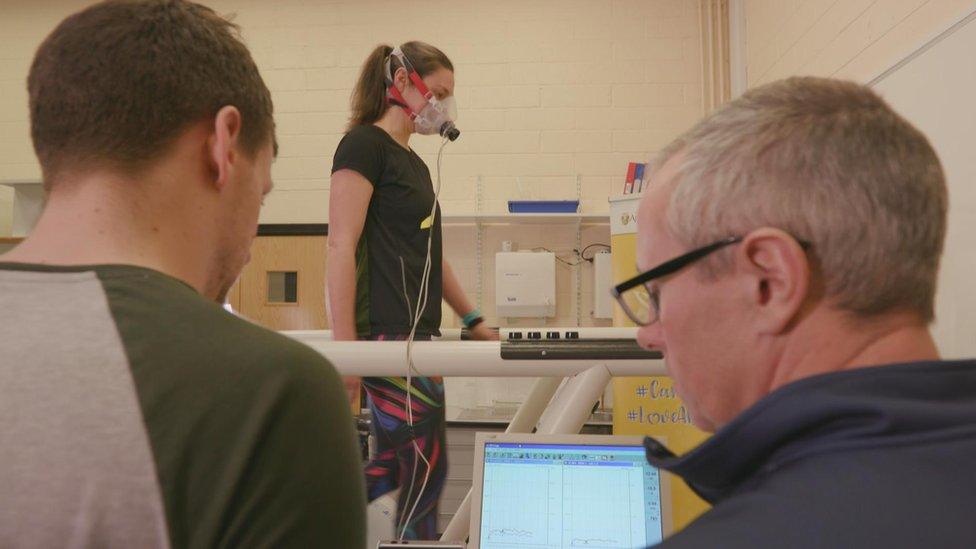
x,y
640,302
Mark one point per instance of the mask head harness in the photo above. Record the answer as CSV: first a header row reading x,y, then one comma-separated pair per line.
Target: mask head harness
x,y
436,116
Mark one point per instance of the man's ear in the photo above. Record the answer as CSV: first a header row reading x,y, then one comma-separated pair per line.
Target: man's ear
x,y
223,144
778,274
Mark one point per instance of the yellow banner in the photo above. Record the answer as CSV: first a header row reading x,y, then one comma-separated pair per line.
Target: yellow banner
x,y
648,405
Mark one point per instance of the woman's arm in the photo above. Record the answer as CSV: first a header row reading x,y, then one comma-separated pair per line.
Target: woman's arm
x,y
349,198
455,297
348,201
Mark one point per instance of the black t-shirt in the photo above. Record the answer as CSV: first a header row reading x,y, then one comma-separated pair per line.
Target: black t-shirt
x,y
393,247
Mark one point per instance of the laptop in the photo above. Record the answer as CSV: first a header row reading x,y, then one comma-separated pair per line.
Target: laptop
x,y
566,491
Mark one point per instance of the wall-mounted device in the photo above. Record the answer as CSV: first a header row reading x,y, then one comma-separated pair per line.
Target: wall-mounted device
x,y
525,284
602,281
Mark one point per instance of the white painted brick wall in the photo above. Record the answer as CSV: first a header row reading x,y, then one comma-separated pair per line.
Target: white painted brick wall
x,y
546,89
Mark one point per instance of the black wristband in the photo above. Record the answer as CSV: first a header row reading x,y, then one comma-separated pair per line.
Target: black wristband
x,y
475,322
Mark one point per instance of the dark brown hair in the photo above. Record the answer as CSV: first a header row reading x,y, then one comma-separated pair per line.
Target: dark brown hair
x,y
115,84
369,96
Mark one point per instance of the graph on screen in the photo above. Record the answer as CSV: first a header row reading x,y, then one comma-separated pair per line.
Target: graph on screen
x,y
601,505
569,497
520,506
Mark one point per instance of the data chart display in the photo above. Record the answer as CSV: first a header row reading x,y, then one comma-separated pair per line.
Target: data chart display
x,y
556,496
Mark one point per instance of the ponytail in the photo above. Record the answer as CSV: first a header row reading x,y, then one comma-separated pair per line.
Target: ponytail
x,y
369,96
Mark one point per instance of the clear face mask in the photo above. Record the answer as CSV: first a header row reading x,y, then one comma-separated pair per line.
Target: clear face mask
x,y
437,116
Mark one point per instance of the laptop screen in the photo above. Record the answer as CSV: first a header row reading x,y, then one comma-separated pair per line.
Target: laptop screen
x,y
554,495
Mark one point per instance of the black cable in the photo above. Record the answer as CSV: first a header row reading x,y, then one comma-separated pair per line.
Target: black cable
x,y
590,259
559,259
579,253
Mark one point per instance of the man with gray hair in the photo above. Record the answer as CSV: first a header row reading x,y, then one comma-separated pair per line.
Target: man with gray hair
x,y
793,242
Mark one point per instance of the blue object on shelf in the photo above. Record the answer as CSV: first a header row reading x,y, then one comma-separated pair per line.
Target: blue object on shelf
x,y
543,206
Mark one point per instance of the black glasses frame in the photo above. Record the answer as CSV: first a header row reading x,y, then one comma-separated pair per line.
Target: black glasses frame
x,y
664,269
673,265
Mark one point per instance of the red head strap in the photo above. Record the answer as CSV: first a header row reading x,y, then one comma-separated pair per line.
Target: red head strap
x,y
414,77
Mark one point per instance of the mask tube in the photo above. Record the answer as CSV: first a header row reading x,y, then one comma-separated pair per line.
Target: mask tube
x,y
437,117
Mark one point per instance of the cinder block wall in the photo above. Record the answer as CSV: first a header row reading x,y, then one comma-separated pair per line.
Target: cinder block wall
x,y
547,89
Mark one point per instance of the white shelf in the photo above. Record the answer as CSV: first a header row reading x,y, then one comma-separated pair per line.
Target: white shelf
x,y
625,197
526,218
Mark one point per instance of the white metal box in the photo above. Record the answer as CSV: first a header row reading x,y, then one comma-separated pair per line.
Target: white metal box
x,y
602,282
525,284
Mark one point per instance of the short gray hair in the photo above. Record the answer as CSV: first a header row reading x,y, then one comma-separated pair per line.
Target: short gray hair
x,y
832,164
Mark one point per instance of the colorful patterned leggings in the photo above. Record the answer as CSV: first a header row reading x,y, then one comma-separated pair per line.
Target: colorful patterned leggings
x,y
395,459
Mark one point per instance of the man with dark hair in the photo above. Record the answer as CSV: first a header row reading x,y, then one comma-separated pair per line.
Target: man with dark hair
x,y
135,411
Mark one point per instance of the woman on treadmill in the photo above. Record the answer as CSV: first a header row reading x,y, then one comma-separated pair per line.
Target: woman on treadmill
x,y
381,233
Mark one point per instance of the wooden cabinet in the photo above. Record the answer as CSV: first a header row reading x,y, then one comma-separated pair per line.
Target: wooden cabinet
x,y
283,286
